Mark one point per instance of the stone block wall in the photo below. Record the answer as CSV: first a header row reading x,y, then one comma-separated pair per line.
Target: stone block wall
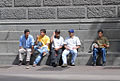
x,y
59,9
84,16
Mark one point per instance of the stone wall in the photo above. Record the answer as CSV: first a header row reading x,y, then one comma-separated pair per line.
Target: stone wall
x,y
84,16
59,9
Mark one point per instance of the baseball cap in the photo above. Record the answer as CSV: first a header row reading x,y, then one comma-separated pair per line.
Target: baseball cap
x,y
71,31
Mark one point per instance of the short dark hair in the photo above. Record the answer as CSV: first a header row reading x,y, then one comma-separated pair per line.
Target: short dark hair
x,y
100,30
57,31
43,30
26,30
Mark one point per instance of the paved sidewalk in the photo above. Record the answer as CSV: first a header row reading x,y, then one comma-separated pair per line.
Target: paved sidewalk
x,y
49,73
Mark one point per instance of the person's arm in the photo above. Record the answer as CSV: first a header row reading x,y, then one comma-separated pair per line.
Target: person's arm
x,y
32,45
107,43
36,41
66,47
20,43
78,46
78,43
52,37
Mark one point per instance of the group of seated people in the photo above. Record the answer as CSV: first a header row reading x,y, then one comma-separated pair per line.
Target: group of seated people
x,y
43,45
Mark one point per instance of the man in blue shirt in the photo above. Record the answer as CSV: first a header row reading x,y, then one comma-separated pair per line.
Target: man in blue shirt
x,y
26,44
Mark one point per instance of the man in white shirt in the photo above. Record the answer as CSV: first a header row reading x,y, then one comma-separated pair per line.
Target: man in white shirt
x,y
71,44
56,49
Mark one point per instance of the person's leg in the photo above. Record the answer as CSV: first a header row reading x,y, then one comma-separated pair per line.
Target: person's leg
x,y
74,55
103,51
37,59
53,52
21,51
59,53
41,52
95,51
28,52
64,56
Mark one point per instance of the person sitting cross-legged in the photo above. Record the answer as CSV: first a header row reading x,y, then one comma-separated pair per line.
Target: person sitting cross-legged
x,y
42,46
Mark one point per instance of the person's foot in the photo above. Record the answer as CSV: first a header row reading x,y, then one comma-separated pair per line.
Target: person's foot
x,y
104,64
20,63
27,67
72,64
34,65
94,64
64,65
27,64
54,64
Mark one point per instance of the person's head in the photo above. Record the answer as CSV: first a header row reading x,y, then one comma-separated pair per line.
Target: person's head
x,y
26,32
71,32
100,33
57,33
43,32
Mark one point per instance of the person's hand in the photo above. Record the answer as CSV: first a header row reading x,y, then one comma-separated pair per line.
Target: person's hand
x,y
104,45
56,49
74,48
37,36
53,33
39,47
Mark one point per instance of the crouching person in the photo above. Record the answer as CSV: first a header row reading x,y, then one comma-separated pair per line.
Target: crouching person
x,y
56,49
26,44
100,45
42,46
71,44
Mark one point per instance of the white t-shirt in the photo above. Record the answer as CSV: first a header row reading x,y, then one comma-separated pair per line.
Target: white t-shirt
x,y
57,42
72,42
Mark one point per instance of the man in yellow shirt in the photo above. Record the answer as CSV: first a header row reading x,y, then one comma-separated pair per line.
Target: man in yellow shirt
x,y
42,45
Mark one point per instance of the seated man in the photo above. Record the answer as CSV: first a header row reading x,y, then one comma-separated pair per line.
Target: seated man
x,y
26,44
71,44
56,49
100,45
42,46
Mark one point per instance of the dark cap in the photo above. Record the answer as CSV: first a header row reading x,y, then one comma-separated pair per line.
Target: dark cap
x,y
71,31
57,31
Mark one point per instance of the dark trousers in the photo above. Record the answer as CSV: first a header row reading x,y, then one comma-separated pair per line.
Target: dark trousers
x,y
55,56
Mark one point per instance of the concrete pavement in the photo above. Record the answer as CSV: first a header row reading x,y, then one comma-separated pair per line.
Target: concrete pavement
x,y
49,73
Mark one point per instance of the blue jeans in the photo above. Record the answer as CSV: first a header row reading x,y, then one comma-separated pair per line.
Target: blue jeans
x,y
41,50
66,52
102,51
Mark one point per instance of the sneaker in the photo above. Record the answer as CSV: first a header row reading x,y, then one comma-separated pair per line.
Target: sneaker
x,y
64,65
72,64
27,64
34,65
20,63
27,67
104,64
94,64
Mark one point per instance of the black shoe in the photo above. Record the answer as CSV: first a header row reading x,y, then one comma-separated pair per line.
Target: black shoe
x,y
94,64
20,63
54,65
104,64
27,64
